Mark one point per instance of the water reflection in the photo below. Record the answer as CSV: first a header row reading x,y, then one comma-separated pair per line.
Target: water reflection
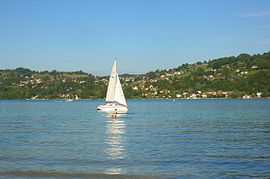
x,y
115,128
114,170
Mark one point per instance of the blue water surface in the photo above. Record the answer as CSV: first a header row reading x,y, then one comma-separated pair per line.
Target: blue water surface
x,y
160,138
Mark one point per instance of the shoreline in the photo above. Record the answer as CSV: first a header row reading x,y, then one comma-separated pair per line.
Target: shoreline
x,y
173,99
34,174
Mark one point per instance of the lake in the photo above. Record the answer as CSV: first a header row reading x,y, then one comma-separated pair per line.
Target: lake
x,y
156,138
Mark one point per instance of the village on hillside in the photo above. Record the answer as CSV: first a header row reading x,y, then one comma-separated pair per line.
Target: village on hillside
x,y
244,76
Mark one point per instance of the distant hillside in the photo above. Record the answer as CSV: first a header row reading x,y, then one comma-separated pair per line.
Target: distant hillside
x,y
246,76
23,83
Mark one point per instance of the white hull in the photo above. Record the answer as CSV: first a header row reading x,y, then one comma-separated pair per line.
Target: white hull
x,y
112,108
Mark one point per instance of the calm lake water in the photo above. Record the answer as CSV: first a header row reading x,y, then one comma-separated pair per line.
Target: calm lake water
x,y
157,138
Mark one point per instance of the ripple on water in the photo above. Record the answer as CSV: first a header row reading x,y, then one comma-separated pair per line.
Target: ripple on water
x,y
205,138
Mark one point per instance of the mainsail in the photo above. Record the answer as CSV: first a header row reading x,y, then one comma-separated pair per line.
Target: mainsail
x,y
115,92
112,83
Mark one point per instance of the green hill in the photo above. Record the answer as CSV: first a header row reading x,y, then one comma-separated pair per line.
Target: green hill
x,y
232,77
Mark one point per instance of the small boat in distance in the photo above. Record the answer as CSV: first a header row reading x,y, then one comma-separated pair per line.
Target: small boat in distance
x,y
115,98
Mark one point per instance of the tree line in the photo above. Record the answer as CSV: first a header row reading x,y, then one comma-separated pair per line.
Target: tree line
x,y
237,75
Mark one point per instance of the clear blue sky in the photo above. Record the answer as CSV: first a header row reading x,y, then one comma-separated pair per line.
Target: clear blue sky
x,y
144,35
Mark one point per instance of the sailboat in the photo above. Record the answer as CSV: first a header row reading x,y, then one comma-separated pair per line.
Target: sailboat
x,y
115,99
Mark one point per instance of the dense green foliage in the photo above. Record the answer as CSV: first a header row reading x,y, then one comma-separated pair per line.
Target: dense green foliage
x,y
23,83
244,75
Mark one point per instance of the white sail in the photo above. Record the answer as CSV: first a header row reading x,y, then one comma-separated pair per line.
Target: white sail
x,y
119,94
115,98
112,84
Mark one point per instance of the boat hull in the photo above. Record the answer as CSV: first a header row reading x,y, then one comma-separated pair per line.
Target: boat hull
x,y
112,108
